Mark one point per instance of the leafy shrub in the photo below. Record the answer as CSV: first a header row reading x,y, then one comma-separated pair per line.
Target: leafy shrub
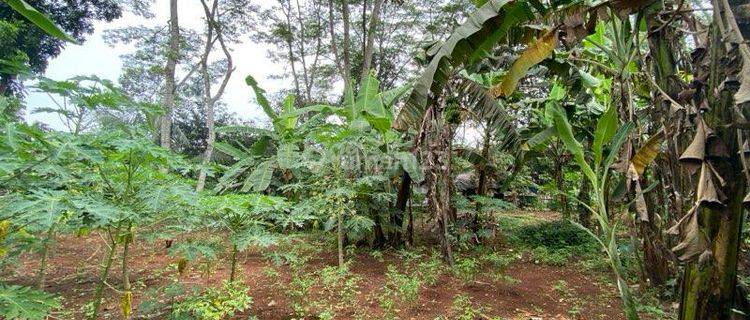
x,y
214,303
556,235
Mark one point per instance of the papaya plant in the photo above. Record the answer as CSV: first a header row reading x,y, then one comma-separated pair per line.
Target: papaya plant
x,y
247,219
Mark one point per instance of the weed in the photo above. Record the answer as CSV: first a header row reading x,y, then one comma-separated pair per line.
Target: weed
x,y
551,257
467,269
214,303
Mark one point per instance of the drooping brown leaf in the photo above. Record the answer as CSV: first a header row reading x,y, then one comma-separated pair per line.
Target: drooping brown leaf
x,y
708,195
695,153
693,241
626,7
640,203
534,54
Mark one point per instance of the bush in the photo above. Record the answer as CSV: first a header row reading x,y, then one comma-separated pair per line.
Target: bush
x,y
556,235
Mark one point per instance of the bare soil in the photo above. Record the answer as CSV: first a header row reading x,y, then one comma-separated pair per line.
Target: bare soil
x,y
537,293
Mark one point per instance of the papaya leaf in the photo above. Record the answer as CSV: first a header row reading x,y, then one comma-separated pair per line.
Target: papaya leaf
x,y
18,302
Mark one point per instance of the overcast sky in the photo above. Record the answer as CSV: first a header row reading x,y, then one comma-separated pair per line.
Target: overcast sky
x,y
95,57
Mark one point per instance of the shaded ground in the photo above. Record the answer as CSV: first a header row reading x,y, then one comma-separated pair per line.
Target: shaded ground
x,y
524,290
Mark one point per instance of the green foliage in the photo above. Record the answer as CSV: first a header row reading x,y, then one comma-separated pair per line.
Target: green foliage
x,y
23,303
464,309
214,303
38,19
467,269
556,235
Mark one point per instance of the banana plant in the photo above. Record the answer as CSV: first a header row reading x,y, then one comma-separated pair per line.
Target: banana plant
x,y
276,149
609,136
281,147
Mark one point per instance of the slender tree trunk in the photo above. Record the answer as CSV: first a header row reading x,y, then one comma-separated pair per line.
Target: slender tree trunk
x,y
584,214
126,287
370,43
302,55
210,99
41,276
410,226
482,181
98,293
562,199
290,48
170,87
347,42
334,44
340,229
379,241
233,263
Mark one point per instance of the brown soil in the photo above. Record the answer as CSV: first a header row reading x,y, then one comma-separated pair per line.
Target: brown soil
x,y
538,293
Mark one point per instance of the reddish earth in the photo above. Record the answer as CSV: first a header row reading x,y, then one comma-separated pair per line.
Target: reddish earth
x,y
537,293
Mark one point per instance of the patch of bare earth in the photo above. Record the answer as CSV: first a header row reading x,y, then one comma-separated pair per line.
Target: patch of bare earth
x,y
73,270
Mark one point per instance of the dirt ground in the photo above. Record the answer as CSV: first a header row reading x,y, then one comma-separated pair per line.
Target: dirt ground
x,y
538,292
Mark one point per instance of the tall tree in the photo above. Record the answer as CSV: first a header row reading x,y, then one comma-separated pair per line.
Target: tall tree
x,y
173,55
221,21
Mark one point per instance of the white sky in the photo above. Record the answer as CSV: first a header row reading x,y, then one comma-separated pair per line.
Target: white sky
x,y
95,57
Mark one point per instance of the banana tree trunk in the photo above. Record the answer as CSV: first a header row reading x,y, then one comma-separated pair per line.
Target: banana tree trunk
x,y
397,219
710,280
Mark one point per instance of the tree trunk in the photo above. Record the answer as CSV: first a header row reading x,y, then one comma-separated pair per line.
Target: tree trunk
x,y
370,43
340,242
99,291
347,42
170,86
562,198
209,98
482,181
290,48
127,293
379,241
233,263
437,135
41,276
404,192
584,214
710,281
